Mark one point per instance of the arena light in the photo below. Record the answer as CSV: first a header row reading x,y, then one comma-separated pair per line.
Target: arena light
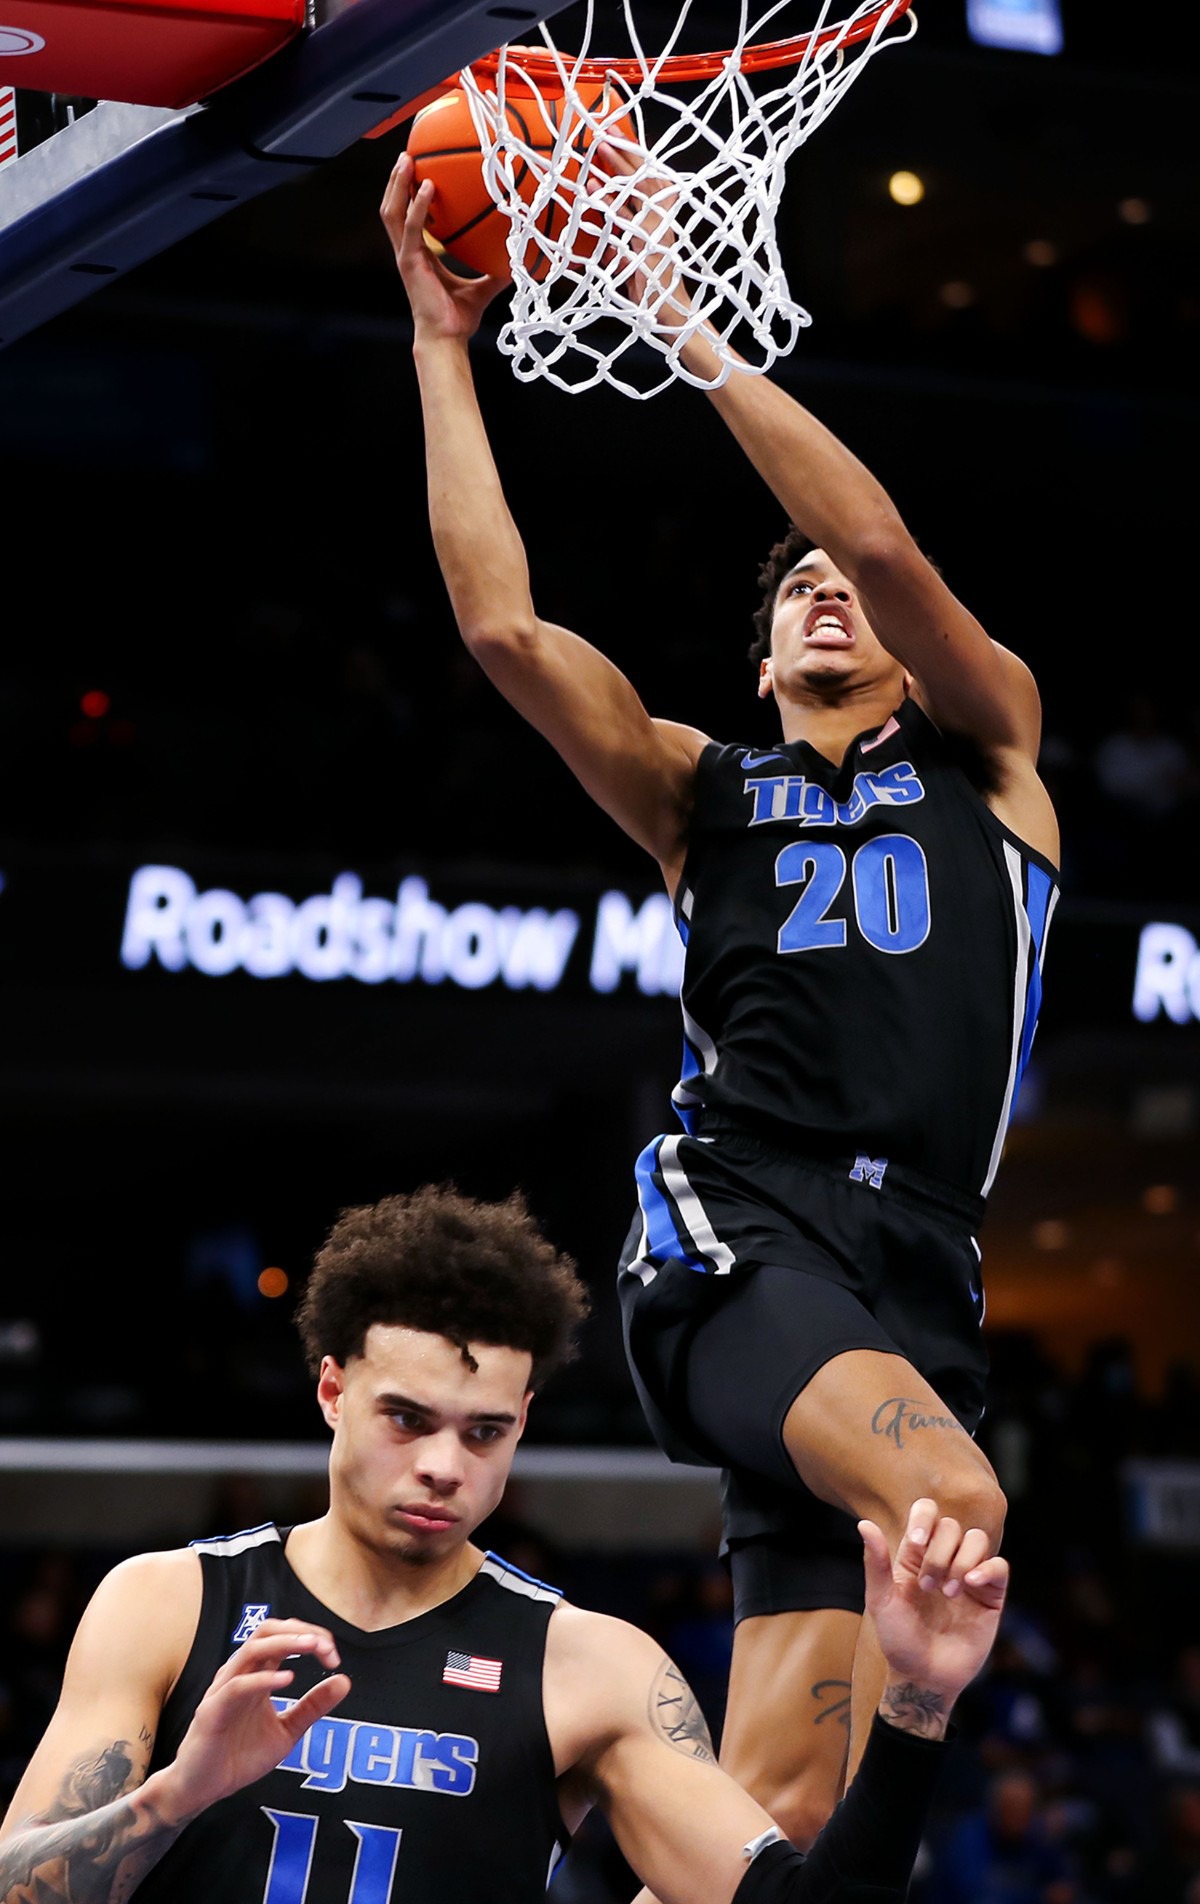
x,y
1021,26
906,188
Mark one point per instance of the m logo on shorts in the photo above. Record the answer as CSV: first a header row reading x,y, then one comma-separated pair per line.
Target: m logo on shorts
x,y
869,1170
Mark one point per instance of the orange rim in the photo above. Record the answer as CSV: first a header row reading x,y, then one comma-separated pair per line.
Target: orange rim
x,y
541,65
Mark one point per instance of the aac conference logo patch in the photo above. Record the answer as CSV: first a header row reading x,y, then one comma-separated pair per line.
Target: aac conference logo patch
x,y
16,40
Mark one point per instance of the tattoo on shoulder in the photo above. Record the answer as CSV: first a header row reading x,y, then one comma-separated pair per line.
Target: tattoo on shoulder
x,y
833,1701
676,1714
915,1708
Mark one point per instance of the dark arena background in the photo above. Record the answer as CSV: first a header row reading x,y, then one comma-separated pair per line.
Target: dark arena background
x,y
230,671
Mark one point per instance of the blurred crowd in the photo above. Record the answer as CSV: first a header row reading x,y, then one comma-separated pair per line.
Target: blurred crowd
x,y
281,734
1076,1776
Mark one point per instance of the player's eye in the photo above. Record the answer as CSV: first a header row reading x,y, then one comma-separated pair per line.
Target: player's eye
x,y
487,1432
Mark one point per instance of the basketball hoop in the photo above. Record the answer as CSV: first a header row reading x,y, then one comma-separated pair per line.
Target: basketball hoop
x,y
684,240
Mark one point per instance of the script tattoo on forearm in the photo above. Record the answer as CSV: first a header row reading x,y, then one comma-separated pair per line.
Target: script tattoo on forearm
x,y
675,1712
915,1709
89,1846
833,1697
899,1415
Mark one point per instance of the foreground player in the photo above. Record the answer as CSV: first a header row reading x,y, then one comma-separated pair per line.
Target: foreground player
x,y
865,906
366,1706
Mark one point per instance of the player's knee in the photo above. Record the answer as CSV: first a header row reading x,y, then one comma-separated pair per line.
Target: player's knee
x,y
974,1498
967,1491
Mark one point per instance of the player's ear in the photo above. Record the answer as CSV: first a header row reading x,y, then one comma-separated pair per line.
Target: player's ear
x,y
766,679
910,682
330,1386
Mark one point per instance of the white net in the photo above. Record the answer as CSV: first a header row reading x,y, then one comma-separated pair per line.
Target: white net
x,y
616,271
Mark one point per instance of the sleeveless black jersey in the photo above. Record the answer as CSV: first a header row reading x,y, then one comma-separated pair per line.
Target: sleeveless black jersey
x,y
432,1783
864,951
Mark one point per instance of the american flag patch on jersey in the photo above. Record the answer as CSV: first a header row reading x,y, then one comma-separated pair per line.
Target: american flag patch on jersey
x,y
467,1669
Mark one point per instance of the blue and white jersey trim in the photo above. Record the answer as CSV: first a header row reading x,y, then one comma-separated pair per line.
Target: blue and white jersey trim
x,y
516,1581
237,1543
699,1058
1035,896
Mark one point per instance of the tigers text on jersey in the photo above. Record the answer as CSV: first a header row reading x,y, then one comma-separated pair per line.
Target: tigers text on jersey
x,y
864,947
432,1783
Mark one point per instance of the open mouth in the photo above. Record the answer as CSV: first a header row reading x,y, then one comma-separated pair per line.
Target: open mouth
x,y
827,630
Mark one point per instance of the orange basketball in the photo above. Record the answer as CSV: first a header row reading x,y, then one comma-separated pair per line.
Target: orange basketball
x,y
464,218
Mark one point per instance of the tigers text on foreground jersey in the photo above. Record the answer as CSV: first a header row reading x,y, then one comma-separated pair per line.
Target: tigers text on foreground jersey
x,y
864,947
431,1783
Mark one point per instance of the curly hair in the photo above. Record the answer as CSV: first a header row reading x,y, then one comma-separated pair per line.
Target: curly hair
x,y
443,1262
792,547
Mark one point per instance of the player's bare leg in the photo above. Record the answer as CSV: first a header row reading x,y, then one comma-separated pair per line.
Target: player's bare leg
x,y
787,1716
868,1434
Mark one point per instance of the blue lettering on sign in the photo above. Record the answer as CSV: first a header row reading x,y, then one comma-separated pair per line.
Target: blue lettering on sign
x,y
335,1752
806,803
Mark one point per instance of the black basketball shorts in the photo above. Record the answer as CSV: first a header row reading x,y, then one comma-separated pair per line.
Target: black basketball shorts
x,y
746,1269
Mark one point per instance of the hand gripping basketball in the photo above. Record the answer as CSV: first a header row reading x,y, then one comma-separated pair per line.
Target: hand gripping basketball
x,y
549,153
443,304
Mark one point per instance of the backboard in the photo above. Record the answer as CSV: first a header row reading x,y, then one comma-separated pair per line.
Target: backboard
x,y
124,182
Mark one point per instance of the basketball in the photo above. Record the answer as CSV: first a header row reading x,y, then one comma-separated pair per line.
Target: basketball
x,y
465,219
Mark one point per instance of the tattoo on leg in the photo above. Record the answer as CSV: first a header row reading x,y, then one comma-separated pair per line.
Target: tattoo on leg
x,y
833,1697
899,1415
676,1714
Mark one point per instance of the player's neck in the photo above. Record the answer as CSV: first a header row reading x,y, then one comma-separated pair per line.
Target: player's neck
x,y
369,1587
830,725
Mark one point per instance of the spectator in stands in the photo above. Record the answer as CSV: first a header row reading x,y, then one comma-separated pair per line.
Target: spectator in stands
x,y
1007,1851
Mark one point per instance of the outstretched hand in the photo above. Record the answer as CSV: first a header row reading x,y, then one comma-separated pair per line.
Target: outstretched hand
x,y
443,304
936,1607
644,207
237,1733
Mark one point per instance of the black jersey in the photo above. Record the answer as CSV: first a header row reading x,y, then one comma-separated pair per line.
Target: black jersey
x,y
432,1783
864,947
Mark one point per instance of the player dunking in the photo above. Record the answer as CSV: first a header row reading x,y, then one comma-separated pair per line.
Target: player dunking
x,y
367,1707
865,907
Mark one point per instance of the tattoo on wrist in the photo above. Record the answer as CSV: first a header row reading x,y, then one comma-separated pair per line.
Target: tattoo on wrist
x,y
675,1714
900,1416
915,1709
833,1698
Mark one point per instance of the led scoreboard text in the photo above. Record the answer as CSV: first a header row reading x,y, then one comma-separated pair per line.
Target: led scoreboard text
x,y
345,933
450,928
1167,980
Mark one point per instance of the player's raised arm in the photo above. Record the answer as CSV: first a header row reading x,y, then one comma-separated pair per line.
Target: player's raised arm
x,y
86,1822
639,770
688,1829
967,682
